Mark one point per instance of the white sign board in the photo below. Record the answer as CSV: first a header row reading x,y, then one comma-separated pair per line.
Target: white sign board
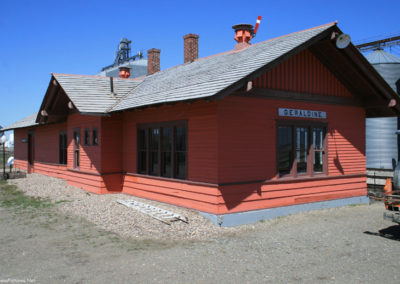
x,y
302,113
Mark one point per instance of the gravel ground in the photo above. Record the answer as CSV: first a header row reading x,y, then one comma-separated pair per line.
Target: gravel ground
x,y
105,212
351,244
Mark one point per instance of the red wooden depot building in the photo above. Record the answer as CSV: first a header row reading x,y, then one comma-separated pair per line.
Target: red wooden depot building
x,y
260,131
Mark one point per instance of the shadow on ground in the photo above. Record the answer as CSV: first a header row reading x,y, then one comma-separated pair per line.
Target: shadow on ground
x,y
391,233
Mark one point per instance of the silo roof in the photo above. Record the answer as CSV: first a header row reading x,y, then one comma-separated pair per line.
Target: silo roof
x,y
380,56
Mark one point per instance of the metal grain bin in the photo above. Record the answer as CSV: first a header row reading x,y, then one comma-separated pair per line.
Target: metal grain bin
x,y
381,144
381,141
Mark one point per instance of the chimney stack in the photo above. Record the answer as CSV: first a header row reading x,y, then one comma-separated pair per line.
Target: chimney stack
x,y
124,72
191,47
153,61
243,35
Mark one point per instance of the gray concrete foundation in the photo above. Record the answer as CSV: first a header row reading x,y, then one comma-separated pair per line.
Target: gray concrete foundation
x,y
248,217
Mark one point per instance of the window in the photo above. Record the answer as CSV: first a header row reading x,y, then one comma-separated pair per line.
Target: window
x,y
87,137
162,150
95,140
77,138
63,148
301,148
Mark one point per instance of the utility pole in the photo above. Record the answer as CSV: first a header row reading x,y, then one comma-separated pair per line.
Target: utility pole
x,y
3,140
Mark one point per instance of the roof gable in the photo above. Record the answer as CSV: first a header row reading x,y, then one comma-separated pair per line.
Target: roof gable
x,y
88,94
92,94
303,73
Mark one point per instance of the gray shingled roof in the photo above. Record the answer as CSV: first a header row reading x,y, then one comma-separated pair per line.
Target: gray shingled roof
x,y
199,79
207,77
92,94
25,122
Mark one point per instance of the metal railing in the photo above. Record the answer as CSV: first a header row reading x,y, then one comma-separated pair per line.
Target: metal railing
x,y
9,152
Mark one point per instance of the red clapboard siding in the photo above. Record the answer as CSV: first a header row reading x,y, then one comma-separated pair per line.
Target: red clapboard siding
x,y
111,144
302,73
247,152
20,164
247,138
52,170
200,197
239,198
232,140
46,142
90,156
20,149
202,136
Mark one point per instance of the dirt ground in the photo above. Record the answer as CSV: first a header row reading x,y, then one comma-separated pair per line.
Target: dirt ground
x,y
38,244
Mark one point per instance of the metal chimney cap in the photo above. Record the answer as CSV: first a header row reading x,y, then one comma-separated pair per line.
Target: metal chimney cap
x,y
242,27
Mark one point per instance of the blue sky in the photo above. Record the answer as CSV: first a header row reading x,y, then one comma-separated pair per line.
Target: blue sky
x,y
80,37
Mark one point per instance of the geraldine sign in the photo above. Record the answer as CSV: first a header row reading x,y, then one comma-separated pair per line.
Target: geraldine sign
x,y
302,113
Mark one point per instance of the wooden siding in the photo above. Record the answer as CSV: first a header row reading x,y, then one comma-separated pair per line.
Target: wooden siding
x,y
53,170
232,162
111,144
20,149
90,156
46,142
238,198
21,164
196,196
247,153
303,73
202,136
253,141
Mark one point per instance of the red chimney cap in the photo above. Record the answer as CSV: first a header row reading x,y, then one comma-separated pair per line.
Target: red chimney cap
x,y
124,72
246,27
243,34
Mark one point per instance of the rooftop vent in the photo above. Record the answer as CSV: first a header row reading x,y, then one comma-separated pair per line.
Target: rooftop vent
x,y
124,72
244,33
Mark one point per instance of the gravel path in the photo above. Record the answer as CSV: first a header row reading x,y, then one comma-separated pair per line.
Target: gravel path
x,y
351,244
104,211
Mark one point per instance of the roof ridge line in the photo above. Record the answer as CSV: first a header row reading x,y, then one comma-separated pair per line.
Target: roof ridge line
x,y
96,76
334,23
121,99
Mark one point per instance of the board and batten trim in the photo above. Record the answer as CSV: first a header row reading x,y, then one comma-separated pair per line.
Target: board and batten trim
x,y
296,96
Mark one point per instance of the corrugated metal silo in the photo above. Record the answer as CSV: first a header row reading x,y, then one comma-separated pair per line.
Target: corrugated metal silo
x,y
381,141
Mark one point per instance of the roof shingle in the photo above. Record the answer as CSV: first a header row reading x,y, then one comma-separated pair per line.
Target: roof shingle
x,y
207,77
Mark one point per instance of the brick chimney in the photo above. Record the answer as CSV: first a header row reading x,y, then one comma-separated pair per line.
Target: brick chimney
x,y
243,35
153,61
191,47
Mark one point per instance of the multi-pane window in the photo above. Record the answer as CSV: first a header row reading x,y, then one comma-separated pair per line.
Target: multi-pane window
x,y
162,150
63,148
77,138
318,147
95,140
301,148
87,137
166,151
